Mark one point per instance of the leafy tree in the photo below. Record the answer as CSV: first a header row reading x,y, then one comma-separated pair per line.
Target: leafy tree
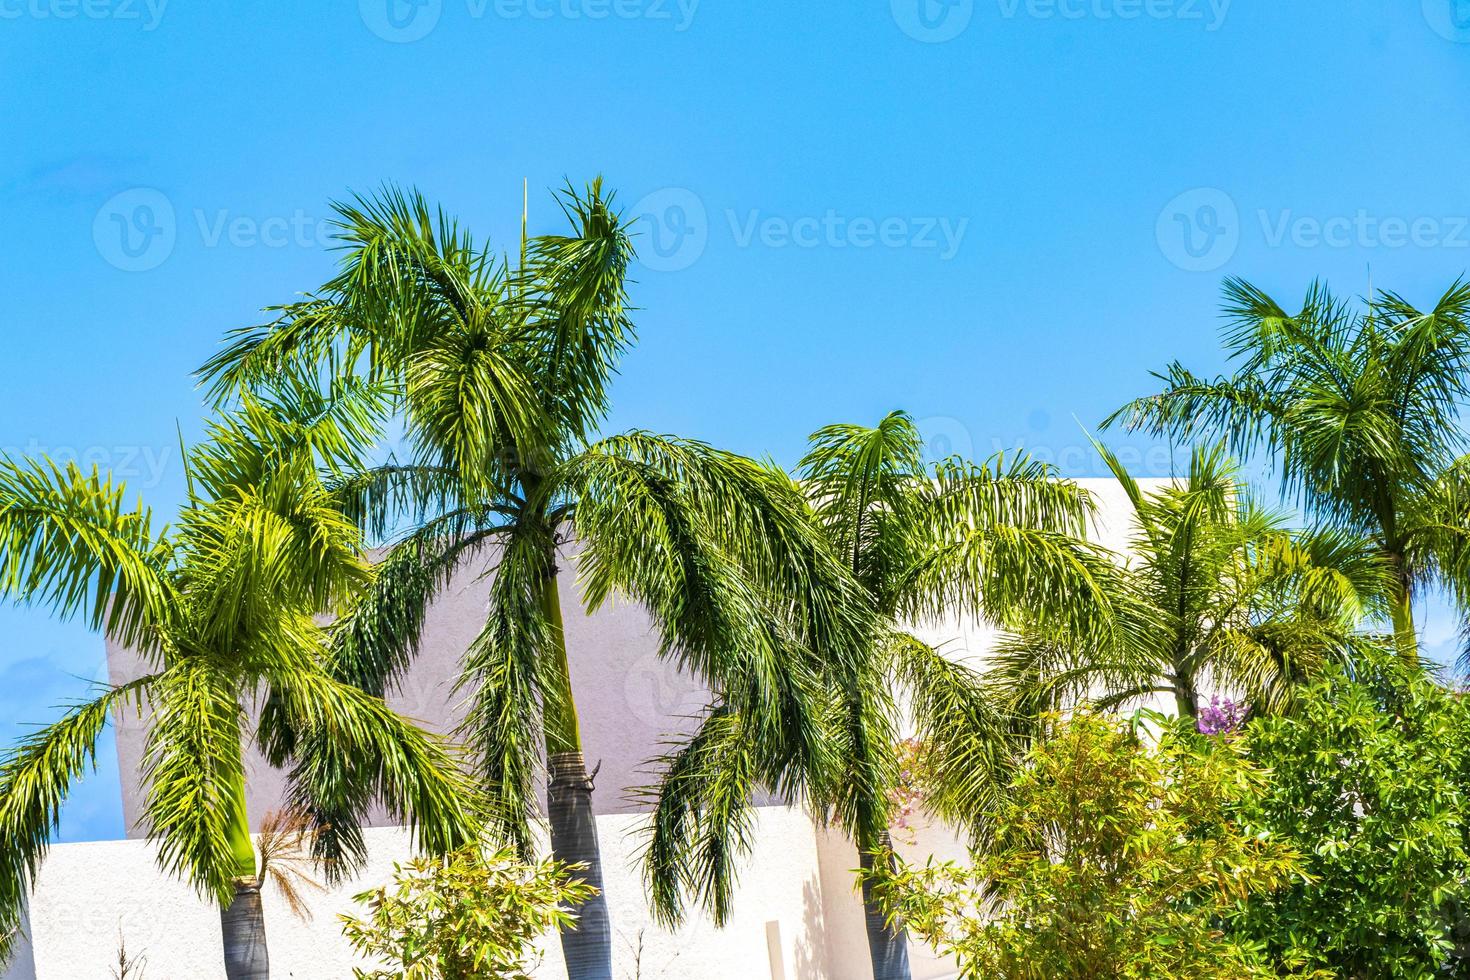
x,y
1225,595
925,543
1368,781
464,916
1110,858
223,606
500,377
1360,410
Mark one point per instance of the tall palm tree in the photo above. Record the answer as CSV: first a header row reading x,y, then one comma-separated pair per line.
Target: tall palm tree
x,y
1359,409
223,606
499,374
992,541
1234,599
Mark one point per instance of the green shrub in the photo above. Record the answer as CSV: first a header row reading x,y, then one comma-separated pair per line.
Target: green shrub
x,y
1110,858
464,916
1369,782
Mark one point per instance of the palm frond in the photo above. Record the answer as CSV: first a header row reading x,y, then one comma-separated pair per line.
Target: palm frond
x,y
285,858
351,751
1216,590
678,493
862,481
1006,574
1189,407
506,683
1358,409
303,337
376,639
68,541
703,821
193,771
571,298
35,779
852,784
972,740
382,499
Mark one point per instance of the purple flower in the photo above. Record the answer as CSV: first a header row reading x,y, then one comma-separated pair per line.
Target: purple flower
x,y
1220,717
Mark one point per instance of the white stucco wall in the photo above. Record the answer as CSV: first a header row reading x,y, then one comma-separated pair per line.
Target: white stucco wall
x,y
22,965
89,895
796,895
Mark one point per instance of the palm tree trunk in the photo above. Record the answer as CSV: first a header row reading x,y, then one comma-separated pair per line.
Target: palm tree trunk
x,y
1406,640
242,923
243,926
587,944
1186,699
887,942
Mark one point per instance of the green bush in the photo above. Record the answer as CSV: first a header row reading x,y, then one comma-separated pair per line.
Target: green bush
x,y
464,916
1369,782
1111,858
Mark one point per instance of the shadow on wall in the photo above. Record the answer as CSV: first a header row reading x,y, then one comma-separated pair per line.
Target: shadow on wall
x,y
23,963
811,951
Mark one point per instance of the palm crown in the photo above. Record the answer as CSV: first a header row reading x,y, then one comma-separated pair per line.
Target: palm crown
x,y
1225,595
1000,542
996,541
1359,410
500,374
223,607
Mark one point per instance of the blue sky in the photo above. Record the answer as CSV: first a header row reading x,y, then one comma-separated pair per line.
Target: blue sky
x,y
997,214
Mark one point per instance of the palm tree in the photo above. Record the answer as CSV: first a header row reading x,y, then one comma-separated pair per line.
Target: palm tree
x,y
223,605
1233,599
1360,411
992,541
500,376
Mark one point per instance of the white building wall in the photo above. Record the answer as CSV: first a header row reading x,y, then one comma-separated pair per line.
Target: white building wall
x,y
89,896
22,965
797,893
